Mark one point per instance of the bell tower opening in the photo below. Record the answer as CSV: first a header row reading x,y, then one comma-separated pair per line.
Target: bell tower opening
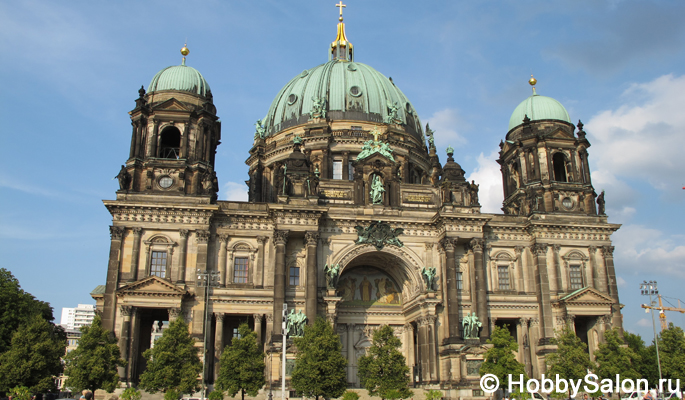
x,y
559,165
170,143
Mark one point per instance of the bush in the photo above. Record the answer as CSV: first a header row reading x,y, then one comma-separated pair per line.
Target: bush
x,y
20,393
216,395
433,394
131,394
348,395
172,394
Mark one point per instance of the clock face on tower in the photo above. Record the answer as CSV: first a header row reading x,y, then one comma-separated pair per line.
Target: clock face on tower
x,y
166,182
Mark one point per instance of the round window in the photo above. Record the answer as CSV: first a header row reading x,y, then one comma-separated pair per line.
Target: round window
x,y
304,73
166,182
567,203
355,91
292,99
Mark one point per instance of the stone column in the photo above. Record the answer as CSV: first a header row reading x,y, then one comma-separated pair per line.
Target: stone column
x,y
269,327
558,285
259,272
591,273
424,349
542,289
218,342
109,311
616,317
135,254
311,295
409,337
351,362
534,334
524,344
124,341
345,166
432,349
280,239
222,268
481,286
183,233
202,239
258,327
452,295
521,275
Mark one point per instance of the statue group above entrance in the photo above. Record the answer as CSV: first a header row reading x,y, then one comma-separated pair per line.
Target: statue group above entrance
x,y
379,234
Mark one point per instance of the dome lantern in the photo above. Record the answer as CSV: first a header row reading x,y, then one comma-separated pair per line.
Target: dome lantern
x,y
341,48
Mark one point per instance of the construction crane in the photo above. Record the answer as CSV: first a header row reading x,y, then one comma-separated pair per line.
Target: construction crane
x,y
662,314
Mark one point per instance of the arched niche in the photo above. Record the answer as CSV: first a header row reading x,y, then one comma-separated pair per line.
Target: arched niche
x,y
368,286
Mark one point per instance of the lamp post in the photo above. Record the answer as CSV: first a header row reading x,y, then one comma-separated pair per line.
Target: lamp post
x,y
208,279
650,289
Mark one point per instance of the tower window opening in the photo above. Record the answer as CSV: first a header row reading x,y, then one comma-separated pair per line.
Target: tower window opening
x,y
170,144
158,264
559,165
460,281
575,277
337,169
503,277
240,268
294,276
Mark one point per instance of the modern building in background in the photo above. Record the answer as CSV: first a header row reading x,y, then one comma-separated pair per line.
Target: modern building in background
x,y
75,318
353,217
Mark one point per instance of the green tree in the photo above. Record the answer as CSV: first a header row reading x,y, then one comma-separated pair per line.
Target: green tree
x,y
571,360
384,372
647,367
17,308
93,364
173,363
433,394
613,358
34,356
131,394
320,368
672,353
242,365
499,359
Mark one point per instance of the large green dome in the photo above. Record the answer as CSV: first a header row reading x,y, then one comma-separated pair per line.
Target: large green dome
x,y
179,77
352,91
538,108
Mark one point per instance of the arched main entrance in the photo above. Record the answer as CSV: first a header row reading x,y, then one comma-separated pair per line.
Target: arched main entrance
x,y
384,287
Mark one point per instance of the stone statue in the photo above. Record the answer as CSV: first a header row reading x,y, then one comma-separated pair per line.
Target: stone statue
x,y
207,184
141,92
260,130
379,234
428,275
473,190
471,326
318,107
600,204
332,275
431,139
392,112
377,190
124,178
313,183
296,322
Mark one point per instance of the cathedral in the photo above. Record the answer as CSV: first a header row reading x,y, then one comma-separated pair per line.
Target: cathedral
x,y
353,217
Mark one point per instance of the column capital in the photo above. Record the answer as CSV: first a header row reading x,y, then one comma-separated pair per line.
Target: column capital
x,y
137,230
281,237
350,326
429,245
258,317
477,244
116,232
608,251
523,321
556,248
518,250
539,249
534,321
426,320
126,311
311,238
202,236
262,239
448,243
174,312
592,249
183,233
223,238
269,318
219,316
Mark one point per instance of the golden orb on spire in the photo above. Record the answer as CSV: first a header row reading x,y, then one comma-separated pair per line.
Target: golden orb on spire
x,y
185,50
532,81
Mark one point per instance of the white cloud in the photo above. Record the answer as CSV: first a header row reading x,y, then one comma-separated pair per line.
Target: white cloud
x,y
487,174
620,282
640,249
234,191
445,123
641,139
644,322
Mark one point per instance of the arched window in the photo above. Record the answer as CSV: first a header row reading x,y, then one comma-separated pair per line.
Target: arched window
x,y
559,165
170,143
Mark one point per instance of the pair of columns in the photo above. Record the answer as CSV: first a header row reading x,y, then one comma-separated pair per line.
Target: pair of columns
x,y
280,240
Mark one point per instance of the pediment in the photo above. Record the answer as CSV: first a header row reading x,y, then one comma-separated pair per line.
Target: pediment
x,y
586,295
171,104
560,134
377,158
151,286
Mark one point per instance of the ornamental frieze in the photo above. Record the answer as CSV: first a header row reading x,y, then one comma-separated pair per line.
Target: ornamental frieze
x,y
379,234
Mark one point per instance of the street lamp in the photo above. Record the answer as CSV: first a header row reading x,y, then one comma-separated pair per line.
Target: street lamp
x,y
208,279
650,289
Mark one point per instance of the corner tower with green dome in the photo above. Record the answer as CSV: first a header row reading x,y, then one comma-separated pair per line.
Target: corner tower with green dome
x,y
544,163
175,135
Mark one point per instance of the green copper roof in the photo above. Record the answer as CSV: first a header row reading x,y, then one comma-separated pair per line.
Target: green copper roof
x,y
99,289
179,77
538,108
351,90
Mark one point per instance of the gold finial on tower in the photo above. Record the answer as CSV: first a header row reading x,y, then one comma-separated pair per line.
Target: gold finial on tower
x,y
340,6
185,52
532,81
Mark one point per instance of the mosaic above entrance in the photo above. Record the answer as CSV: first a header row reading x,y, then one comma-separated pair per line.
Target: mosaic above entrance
x,y
368,286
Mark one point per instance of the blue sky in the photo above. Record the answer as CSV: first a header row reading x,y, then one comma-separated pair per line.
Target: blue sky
x,y
71,71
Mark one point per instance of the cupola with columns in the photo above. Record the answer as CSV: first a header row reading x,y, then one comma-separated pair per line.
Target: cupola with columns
x,y
175,135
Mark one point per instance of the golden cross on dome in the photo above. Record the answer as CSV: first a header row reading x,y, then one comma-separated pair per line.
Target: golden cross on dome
x,y
375,134
340,6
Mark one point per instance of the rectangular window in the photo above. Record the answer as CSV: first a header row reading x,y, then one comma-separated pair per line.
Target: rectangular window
x,y
576,279
240,270
158,264
294,276
460,281
350,171
337,169
503,277
236,334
